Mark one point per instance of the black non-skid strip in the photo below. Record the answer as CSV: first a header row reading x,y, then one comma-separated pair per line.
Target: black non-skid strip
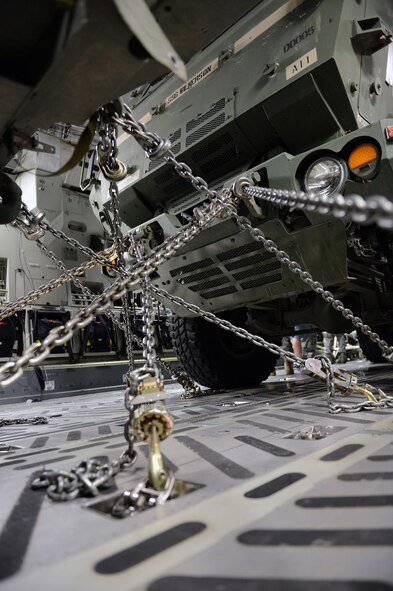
x,y
331,417
185,429
104,439
214,458
269,428
74,435
16,533
274,450
191,412
39,442
12,463
36,453
341,452
113,445
356,476
317,537
348,501
43,463
280,417
82,447
184,583
104,429
273,486
134,555
57,431
381,458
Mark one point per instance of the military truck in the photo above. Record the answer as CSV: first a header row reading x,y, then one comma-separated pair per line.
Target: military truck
x,y
295,95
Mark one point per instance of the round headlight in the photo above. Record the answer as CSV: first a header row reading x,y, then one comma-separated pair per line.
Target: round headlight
x,y
325,176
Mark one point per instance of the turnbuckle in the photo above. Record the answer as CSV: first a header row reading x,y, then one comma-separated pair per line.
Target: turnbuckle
x,y
151,420
346,383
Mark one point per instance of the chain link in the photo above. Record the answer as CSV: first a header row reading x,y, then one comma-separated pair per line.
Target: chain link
x,y
149,352
29,421
373,210
114,195
86,480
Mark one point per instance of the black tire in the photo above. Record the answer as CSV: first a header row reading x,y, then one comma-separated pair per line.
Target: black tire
x,y
370,349
217,358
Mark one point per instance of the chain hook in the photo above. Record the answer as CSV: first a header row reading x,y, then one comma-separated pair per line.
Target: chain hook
x,y
29,224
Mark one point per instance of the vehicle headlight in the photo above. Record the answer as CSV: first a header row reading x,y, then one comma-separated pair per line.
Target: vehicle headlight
x,y
325,176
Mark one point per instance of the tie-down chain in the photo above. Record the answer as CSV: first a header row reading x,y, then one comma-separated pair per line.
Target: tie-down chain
x,y
156,147
148,418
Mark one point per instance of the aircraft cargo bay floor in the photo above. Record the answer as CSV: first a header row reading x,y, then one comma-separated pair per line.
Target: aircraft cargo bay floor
x,y
273,513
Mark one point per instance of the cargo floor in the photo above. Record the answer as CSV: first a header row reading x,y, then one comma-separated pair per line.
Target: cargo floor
x,y
272,513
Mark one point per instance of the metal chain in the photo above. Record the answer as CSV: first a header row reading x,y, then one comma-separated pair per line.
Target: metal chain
x,y
330,374
90,296
30,421
373,210
114,195
99,257
87,479
226,325
155,147
149,352
385,402
189,386
23,301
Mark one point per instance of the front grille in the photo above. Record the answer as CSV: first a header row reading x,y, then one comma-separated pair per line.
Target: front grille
x,y
207,150
200,276
262,281
218,106
205,129
230,272
209,284
261,270
192,267
245,261
219,292
175,135
220,160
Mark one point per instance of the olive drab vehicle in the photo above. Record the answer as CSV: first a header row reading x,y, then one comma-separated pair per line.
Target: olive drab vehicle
x,y
295,95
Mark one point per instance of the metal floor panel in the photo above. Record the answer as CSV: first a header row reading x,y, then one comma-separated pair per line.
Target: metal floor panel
x,y
274,513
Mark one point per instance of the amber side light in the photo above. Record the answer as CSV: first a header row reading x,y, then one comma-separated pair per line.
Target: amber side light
x,y
363,160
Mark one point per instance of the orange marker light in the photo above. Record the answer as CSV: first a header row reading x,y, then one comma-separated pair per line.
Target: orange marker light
x,y
362,155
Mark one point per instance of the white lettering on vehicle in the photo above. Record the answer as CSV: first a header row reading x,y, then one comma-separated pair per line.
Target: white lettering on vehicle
x,y
301,64
192,82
